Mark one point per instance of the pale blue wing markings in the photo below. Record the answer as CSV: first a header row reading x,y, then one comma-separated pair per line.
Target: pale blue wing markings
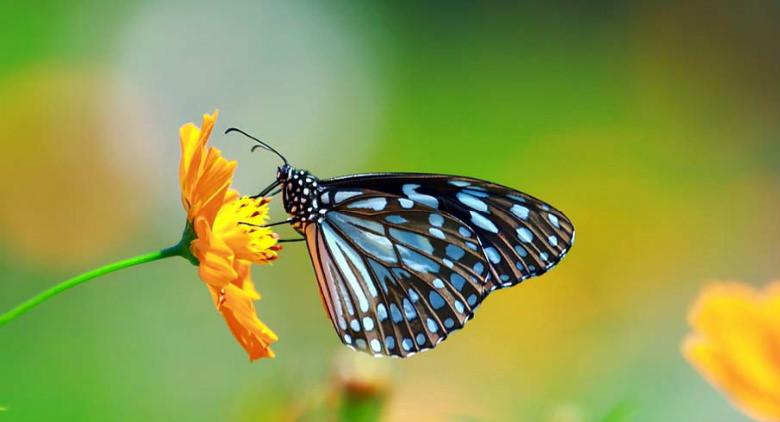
x,y
368,323
476,191
479,268
410,313
493,255
336,299
401,274
413,296
376,204
418,261
382,273
363,223
458,281
454,251
344,254
389,296
471,201
420,338
410,190
483,222
376,346
459,307
361,343
521,251
343,195
436,300
436,220
412,239
520,211
395,313
407,344
529,242
395,219
332,280
515,244
343,292
370,242
437,233
525,235
517,198
381,312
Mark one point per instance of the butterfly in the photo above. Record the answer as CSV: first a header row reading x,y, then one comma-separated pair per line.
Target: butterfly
x,y
404,259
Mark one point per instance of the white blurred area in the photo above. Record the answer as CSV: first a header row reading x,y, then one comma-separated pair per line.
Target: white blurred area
x,y
291,74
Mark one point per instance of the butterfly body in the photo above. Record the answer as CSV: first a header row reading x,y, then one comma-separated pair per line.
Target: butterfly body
x,y
404,259
300,195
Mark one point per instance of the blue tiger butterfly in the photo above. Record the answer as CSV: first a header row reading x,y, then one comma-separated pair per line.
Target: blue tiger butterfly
x,y
404,259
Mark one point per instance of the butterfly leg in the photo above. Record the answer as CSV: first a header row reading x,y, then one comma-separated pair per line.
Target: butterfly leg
x,y
278,223
301,239
268,188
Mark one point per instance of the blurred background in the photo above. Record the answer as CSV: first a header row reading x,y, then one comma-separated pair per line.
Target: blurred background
x,y
653,126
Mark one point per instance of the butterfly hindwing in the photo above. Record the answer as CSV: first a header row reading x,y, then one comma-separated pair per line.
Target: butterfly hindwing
x,y
522,236
396,275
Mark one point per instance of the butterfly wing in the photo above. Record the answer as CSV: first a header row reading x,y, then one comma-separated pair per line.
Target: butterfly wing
x,y
396,276
522,236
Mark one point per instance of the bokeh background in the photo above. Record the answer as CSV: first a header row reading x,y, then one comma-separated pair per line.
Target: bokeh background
x,y
653,125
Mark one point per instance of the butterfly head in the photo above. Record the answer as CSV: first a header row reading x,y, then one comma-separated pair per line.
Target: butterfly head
x,y
300,190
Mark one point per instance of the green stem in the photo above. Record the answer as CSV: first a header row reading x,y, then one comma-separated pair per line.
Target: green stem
x,y
180,249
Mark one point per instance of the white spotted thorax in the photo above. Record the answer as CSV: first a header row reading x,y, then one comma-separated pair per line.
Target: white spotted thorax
x,y
300,190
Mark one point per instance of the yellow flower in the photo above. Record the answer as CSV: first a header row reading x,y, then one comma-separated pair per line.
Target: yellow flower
x,y
224,248
736,345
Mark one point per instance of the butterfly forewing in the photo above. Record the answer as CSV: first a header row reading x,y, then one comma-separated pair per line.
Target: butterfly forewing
x,y
522,236
396,275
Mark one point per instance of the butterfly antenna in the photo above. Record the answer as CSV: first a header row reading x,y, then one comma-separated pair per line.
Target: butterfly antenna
x,y
260,144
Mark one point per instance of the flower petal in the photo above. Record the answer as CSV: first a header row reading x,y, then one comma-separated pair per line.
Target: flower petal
x,y
205,176
216,259
238,309
736,345
238,223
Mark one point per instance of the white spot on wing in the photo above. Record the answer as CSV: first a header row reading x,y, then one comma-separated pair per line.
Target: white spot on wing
x,y
344,195
410,190
471,201
376,204
525,235
520,211
481,221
